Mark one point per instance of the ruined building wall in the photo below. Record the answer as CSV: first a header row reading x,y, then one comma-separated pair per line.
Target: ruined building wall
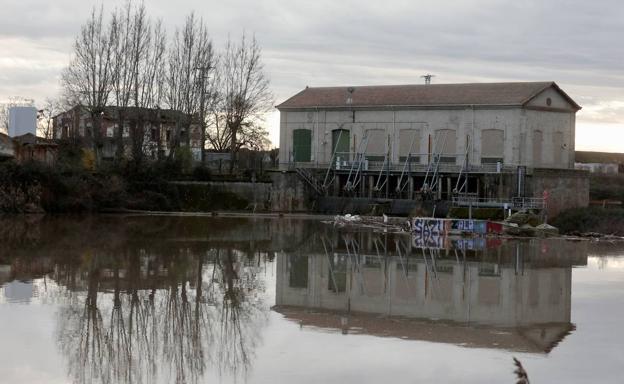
x,y
566,188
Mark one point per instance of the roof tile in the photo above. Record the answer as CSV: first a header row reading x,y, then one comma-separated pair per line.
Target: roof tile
x,y
418,95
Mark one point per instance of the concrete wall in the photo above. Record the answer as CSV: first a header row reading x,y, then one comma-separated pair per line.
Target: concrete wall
x,y
255,193
556,153
566,189
548,113
285,193
288,193
424,123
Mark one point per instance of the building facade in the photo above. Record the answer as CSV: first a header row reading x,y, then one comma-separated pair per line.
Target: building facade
x,y
472,143
529,124
28,147
160,129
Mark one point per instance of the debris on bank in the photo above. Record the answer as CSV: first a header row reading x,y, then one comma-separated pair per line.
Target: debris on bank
x,y
383,223
520,224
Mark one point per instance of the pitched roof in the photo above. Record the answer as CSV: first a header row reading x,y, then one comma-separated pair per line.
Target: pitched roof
x,y
527,338
31,139
112,112
494,94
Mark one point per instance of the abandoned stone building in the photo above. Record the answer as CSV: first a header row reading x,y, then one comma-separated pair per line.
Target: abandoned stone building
x,y
483,144
159,129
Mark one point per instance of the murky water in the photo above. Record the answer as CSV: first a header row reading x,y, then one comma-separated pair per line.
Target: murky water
x,y
182,299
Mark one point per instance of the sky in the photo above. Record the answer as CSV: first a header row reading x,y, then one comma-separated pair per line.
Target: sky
x,y
329,43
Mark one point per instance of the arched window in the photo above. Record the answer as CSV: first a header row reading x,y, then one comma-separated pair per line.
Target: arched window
x,y
409,143
377,143
492,146
558,149
445,144
341,143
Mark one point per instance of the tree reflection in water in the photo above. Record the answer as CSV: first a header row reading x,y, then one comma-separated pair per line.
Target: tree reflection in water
x,y
150,318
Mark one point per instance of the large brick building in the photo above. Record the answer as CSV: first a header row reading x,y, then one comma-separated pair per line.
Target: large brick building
x,y
161,128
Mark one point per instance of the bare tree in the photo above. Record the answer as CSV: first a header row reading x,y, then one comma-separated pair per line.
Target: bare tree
x,y
123,76
146,62
45,116
150,72
125,62
244,97
137,50
89,77
189,65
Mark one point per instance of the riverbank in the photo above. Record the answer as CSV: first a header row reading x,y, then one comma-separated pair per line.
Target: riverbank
x,y
170,187
73,185
608,221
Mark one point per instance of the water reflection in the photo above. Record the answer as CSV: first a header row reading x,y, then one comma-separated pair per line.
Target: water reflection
x,y
183,299
483,293
139,318
162,302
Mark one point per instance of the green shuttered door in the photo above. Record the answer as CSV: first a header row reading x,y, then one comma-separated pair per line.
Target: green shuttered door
x,y
302,143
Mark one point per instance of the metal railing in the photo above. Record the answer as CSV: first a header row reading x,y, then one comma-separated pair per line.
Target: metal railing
x,y
344,161
528,202
471,200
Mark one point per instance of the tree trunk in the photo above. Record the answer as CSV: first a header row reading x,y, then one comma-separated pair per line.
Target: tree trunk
x,y
233,150
118,134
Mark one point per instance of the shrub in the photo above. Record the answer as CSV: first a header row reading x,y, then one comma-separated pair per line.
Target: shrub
x,y
591,219
202,173
606,187
184,159
21,187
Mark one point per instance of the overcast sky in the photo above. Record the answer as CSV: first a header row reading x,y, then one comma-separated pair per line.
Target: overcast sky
x,y
576,43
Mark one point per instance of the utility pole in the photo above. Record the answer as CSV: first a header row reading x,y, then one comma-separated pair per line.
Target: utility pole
x,y
202,103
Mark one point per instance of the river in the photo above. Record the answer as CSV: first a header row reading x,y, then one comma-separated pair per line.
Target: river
x,y
162,299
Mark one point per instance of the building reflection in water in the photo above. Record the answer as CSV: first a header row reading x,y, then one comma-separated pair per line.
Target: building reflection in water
x,y
147,300
173,299
480,292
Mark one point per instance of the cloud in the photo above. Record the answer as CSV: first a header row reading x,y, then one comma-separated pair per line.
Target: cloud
x,y
325,42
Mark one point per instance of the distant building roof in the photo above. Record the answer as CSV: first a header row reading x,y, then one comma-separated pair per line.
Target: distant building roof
x,y
113,112
30,139
478,94
599,157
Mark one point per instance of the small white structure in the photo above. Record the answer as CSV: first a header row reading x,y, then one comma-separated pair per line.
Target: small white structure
x,y
22,120
606,168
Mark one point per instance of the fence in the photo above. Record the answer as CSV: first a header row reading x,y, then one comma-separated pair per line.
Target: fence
x,y
414,162
470,200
